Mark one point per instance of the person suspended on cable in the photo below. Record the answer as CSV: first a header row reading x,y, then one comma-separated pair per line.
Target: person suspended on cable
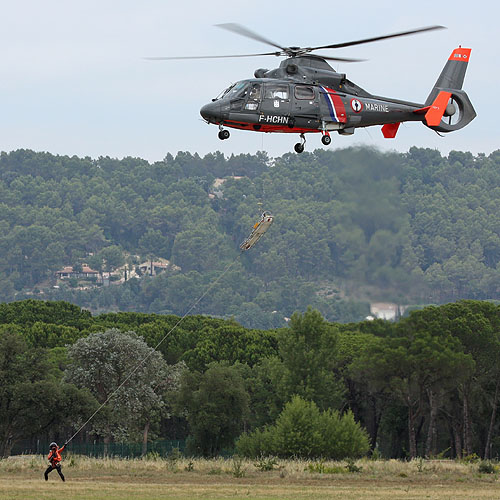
x,y
54,459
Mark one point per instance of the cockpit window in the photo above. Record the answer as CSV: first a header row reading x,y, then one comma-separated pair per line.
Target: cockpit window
x,y
304,92
239,89
276,91
223,93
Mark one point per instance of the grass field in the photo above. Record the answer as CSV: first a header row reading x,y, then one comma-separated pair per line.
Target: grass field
x,y
21,478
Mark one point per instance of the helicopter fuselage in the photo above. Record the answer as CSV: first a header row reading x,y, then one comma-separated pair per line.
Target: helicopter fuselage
x,y
306,95
299,98
265,105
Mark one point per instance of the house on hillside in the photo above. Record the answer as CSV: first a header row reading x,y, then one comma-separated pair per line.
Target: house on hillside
x,y
152,268
386,310
68,272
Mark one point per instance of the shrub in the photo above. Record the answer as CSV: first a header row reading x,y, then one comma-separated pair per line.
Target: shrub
x,y
342,436
237,469
486,467
265,464
470,459
352,467
297,431
302,430
153,456
217,471
258,443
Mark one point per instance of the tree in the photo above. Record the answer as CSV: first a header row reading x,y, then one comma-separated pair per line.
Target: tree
x,y
28,312
216,405
32,399
153,244
365,399
476,325
112,256
416,365
124,374
307,350
231,343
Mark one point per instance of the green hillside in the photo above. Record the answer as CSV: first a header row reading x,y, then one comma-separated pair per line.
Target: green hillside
x,y
351,226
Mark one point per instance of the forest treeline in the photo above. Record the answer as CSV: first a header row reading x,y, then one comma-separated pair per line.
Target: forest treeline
x,y
427,385
353,224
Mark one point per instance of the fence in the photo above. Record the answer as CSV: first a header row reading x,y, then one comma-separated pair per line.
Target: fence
x,y
98,449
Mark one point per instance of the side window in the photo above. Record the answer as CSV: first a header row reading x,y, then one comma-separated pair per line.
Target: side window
x,y
304,92
254,97
276,91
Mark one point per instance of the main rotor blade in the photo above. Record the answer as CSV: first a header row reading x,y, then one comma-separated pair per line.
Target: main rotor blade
x,y
377,38
211,57
340,59
241,30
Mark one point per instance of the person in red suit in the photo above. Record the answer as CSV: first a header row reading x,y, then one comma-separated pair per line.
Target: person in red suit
x,y
55,460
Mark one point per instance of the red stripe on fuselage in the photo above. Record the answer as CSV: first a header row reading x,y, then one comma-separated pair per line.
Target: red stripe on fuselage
x,y
268,127
339,105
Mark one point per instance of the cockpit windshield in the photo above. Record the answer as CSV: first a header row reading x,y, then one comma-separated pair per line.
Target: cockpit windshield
x,y
238,89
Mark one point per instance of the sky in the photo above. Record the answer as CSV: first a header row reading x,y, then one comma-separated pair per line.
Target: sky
x,y
74,81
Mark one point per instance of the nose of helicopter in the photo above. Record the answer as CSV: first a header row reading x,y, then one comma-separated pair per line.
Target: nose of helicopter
x,y
211,112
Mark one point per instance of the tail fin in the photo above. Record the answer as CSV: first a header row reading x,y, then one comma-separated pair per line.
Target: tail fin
x,y
453,74
448,87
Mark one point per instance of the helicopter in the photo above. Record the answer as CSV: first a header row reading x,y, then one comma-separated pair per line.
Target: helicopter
x,y
306,95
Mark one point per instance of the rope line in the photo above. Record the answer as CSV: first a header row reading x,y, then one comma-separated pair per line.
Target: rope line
x,y
156,347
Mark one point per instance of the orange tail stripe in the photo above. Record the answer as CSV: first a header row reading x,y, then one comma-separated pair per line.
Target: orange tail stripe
x,y
438,107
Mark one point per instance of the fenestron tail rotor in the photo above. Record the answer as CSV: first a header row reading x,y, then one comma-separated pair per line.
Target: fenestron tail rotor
x,y
294,51
452,114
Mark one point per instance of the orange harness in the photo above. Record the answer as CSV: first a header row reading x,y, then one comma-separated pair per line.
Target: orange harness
x,y
55,456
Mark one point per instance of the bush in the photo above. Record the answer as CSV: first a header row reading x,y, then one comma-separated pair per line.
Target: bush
x,y
302,430
342,436
486,467
352,467
253,445
471,459
237,469
297,431
266,464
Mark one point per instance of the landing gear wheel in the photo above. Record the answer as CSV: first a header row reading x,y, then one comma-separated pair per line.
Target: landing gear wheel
x,y
299,147
326,140
223,135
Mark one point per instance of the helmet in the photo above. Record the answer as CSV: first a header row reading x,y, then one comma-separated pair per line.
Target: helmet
x,y
52,445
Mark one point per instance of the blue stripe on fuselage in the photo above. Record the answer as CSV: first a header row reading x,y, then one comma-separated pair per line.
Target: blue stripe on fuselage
x,y
329,103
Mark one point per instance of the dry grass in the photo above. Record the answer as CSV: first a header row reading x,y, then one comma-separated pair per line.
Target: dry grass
x,y
113,479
